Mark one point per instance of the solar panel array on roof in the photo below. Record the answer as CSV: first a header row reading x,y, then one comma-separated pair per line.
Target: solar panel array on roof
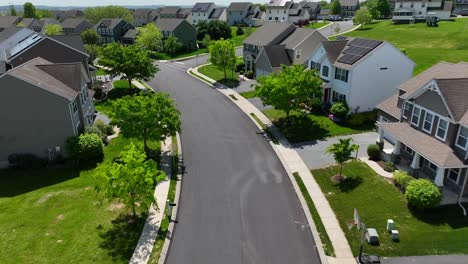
x,y
356,49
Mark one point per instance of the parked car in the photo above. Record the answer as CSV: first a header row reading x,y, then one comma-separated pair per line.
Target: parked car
x,y
350,18
334,18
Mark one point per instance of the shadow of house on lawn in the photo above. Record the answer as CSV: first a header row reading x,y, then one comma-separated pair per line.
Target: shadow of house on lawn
x,y
15,182
451,215
121,239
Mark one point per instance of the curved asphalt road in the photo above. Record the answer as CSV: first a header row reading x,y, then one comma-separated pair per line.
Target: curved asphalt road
x,y
237,203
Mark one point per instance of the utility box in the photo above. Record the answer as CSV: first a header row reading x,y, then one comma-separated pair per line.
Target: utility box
x,y
372,236
390,225
395,235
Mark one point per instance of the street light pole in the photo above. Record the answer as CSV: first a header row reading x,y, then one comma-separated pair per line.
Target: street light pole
x,y
198,51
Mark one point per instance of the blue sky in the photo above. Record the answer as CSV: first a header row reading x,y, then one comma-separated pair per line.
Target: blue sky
x,y
121,2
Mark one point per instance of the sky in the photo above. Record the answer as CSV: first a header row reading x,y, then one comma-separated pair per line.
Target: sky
x,y
121,2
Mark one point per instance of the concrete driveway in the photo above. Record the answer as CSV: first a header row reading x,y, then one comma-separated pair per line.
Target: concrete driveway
x,y
313,152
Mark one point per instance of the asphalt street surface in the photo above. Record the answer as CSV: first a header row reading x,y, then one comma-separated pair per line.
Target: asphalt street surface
x,y
237,203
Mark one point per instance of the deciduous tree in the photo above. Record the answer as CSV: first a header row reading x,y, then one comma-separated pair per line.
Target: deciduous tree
x,y
131,61
53,29
384,8
223,55
342,151
12,10
93,51
335,7
147,116
215,28
149,37
95,14
131,178
172,45
290,89
206,41
362,17
90,37
29,11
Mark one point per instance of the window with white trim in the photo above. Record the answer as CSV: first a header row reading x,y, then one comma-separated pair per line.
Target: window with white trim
x,y
415,116
428,120
462,138
315,65
341,74
338,97
454,175
75,107
409,150
442,128
298,54
406,108
325,71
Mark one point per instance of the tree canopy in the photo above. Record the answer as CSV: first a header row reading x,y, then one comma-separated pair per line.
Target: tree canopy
x,y
215,28
335,7
223,55
90,37
95,14
342,151
44,13
29,10
172,45
147,116
362,17
53,29
131,178
131,61
324,4
149,37
13,10
384,8
290,89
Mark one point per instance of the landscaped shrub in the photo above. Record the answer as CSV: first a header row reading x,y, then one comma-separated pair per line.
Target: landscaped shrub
x,y
94,130
119,93
316,104
26,161
106,129
389,166
423,194
360,119
339,109
250,74
240,66
402,179
85,147
239,31
373,151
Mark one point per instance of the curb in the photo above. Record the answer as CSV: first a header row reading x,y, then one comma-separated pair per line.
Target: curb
x,y
326,26
172,226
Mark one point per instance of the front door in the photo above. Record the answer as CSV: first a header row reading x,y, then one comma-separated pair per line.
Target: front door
x,y
326,95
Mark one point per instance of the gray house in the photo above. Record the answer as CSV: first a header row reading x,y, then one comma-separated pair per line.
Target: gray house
x,y
270,34
295,49
75,25
312,7
112,29
181,29
43,104
426,123
349,7
143,16
244,13
7,21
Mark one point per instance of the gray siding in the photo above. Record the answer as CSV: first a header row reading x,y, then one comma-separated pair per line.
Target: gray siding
x,y
187,35
432,101
234,17
34,119
263,65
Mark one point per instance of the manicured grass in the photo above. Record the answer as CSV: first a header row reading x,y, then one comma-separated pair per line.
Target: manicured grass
x,y
238,40
54,215
317,25
310,127
165,56
326,242
100,72
121,84
424,45
249,94
199,76
218,75
443,230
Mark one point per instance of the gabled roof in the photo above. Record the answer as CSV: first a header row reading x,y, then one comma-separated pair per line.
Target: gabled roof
x,y
168,24
390,106
266,34
9,32
74,13
277,55
27,22
334,49
217,12
45,21
32,73
142,11
299,35
7,21
169,10
238,6
70,74
131,34
349,2
109,22
455,94
202,7
278,3
73,41
72,22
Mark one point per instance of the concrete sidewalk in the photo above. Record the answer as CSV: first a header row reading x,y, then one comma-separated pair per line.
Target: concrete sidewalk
x,y
293,163
150,231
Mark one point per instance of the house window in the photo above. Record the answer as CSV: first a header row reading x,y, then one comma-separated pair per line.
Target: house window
x,y
416,115
408,150
454,175
75,107
341,74
337,97
325,70
442,129
315,65
298,54
269,18
429,165
401,5
406,108
428,119
462,138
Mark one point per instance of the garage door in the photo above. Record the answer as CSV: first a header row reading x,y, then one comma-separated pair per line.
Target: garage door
x,y
387,136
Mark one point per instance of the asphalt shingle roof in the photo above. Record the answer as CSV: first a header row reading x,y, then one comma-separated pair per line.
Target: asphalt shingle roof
x,y
202,7
299,35
7,21
217,12
277,55
266,34
109,22
238,6
131,34
72,22
74,41
455,93
168,24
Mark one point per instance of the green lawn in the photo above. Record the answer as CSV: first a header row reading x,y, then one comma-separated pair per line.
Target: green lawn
x,y
165,56
239,40
249,94
54,215
100,72
317,25
438,231
218,75
425,45
121,84
310,127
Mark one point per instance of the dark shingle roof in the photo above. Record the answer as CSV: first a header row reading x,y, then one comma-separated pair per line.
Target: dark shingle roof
x,y
217,12
266,34
72,22
131,33
68,73
455,93
349,2
27,22
299,35
277,55
109,22
202,7
170,10
168,24
10,31
73,41
238,6
142,11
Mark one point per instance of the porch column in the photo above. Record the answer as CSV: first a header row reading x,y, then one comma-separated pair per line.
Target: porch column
x,y
381,135
415,163
439,179
396,148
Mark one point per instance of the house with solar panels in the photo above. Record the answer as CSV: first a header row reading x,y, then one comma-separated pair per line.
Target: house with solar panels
x,y
362,72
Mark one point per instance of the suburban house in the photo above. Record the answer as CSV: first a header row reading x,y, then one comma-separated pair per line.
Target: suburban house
x,y
295,49
143,16
407,11
313,8
426,122
75,25
461,7
61,15
176,12
286,11
207,11
43,104
324,13
298,13
112,29
181,29
270,34
39,25
362,72
349,7
129,37
244,13
7,21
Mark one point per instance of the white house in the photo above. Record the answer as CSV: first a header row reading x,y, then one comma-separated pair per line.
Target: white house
x,y
362,72
202,12
286,11
406,10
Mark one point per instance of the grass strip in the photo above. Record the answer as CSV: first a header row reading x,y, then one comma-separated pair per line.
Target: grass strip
x,y
326,242
266,129
249,94
200,77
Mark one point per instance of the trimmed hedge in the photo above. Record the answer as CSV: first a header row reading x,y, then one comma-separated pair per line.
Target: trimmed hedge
x,y
373,151
423,194
402,179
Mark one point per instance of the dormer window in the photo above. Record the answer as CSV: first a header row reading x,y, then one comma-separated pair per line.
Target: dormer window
x,y
416,116
462,138
442,128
